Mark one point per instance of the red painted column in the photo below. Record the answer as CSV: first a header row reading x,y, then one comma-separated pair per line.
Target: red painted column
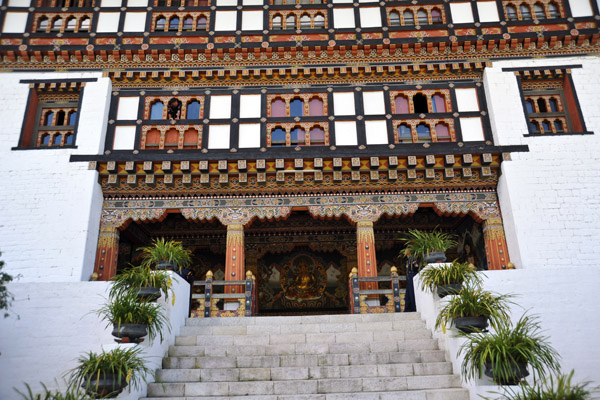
x,y
235,268
106,255
366,259
495,244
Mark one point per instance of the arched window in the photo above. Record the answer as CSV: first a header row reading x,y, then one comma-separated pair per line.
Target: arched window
x,y
160,24
277,22
57,24
546,127
401,105
558,126
442,132
174,24
60,118
534,127
542,105
156,110
319,21
152,138
404,134
188,23
553,10
305,22
553,105
423,133
201,23
436,16
394,18
278,108
84,25
190,139
49,118
172,139
193,110
538,9
317,136
420,103
46,139
296,108
278,137
511,13
298,136
439,103
525,11
72,118
422,17
71,24
409,18
290,22
42,24
315,107
530,107
56,139
69,138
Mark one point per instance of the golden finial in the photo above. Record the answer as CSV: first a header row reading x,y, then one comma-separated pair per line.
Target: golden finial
x,y
248,274
209,275
510,266
394,270
94,277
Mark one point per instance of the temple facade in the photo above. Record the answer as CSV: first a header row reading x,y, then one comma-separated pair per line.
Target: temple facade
x,y
299,139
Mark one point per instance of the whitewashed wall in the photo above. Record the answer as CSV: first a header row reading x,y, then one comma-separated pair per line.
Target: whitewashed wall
x,y
565,301
50,207
52,324
550,196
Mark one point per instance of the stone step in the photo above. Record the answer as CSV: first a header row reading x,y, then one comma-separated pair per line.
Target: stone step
x,y
313,386
403,325
302,320
426,356
303,348
436,394
302,373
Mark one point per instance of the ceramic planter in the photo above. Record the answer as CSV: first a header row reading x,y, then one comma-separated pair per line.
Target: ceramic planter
x,y
106,384
451,288
165,265
471,324
435,257
519,372
148,294
129,333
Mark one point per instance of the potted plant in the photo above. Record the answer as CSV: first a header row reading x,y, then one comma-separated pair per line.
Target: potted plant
x,y
71,394
471,309
132,319
561,388
448,278
105,375
144,281
166,254
429,247
506,354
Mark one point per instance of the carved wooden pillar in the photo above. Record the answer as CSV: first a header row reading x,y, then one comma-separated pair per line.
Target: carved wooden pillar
x,y
108,250
495,244
366,260
234,261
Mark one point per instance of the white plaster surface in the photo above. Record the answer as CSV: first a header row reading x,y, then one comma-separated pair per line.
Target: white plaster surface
x,y
225,20
50,207
108,22
220,106
461,12
250,105
343,18
218,137
466,99
370,17
488,11
472,130
252,20
564,300
124,137
249,136
52,324
376,132
15,22
345,133
373,103
581,8
343,103
549,196
135,22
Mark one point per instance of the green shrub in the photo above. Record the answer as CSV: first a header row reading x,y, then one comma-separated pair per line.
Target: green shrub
x,y
71,394
433,276
559,388
166,250
136,277
420,243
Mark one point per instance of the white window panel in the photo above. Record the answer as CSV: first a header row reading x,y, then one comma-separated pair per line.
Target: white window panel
x,y
137,3
250,106
341,1
472,130
370,17
225,20
220,107
343,103
368,1
467,99
135,22
249,136
218,137
252,20
581,8
461,13
226,2
19,3
373,103
128,108
488,11
14,22
253,2
345,133
108,22
124,138
376,132
343,18
111,3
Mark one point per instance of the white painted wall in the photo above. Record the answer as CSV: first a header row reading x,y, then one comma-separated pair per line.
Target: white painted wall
x,y
52,324
549,196
563,298
50,207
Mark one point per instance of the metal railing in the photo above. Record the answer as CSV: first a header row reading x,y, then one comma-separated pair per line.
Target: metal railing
x,y
209,299
358,297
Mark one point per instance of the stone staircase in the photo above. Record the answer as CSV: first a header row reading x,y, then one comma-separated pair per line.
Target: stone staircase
x,y
324,357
